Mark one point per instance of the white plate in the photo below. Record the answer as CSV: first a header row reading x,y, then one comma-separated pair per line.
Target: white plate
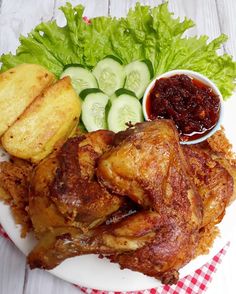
x,y
92,272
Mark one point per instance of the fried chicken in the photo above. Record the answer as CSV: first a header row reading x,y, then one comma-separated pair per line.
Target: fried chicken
x,y
78,199
129,234
213,181
64,190
149,167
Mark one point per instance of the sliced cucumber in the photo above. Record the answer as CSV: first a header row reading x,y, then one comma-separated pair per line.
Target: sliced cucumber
x,y
72,65
110,75
85,92
122,91
94,111
81,77
124,109
138,76
115,58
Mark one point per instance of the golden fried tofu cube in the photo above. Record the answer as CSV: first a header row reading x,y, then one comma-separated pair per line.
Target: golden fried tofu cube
x,y
50,119
18,88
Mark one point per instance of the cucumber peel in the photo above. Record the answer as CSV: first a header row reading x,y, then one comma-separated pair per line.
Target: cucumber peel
x,y
86,92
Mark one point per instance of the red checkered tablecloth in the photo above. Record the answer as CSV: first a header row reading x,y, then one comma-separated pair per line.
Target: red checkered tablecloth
x,y
196,283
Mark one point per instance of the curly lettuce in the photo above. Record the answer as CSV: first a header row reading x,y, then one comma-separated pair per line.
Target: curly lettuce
x,y
146,33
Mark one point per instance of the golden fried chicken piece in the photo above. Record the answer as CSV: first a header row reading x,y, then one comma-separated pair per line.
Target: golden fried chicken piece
x,y
148,165
129,234
214,182
230,166
43,211
221,150
64,190
214,173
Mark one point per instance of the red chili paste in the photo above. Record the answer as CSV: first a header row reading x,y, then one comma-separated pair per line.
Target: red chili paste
x,y
192,105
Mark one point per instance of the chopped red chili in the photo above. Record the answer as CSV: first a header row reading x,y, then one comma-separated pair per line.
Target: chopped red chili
x,y
192,105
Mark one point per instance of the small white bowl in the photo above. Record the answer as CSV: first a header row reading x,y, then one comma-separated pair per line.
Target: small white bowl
x,y
196,76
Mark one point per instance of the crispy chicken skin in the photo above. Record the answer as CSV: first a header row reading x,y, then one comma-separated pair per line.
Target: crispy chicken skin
x,y
129,234
150,168
214,182
43,211
64,189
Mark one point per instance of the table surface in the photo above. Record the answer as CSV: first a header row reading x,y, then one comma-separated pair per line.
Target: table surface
x,y
19,17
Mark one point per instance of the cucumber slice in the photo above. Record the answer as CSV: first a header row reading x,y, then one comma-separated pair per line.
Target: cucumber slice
x,y
150,67
85,92
94,111
124,109
81,78
122,91
72,65
115,58
138,76
110,75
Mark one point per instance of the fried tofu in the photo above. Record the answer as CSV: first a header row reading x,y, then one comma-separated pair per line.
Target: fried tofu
x,y
18,88
50,119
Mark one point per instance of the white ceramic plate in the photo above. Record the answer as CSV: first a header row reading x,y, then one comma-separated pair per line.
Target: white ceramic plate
x,y
92,272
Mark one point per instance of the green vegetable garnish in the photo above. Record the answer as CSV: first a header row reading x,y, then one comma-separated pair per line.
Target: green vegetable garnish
x,y
146,33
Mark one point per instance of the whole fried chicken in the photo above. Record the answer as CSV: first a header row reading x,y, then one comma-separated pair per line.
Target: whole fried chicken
x,y
149,167
175,193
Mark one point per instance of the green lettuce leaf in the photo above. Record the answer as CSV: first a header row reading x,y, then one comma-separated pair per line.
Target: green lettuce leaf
x,y
30,51
146,33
